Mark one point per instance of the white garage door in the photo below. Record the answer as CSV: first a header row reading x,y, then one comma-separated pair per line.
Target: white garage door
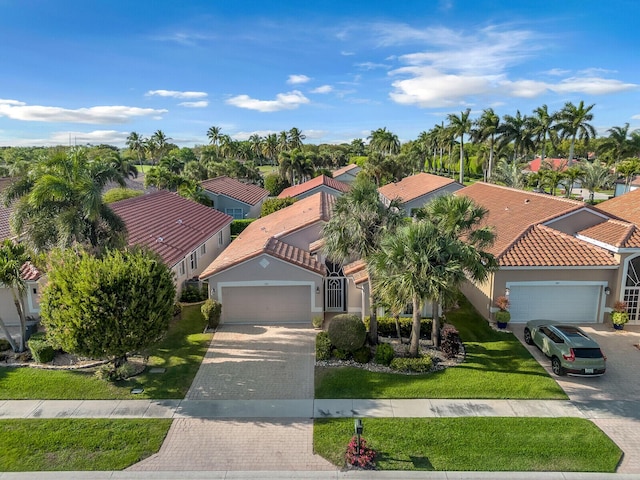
x,y
278,304
565,303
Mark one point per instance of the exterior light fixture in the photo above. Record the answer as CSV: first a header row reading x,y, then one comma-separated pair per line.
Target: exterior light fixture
x,y
359,428
607,291
507,291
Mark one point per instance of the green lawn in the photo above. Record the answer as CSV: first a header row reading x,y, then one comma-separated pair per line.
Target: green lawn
x,y
181,353
474,444
497,365
78,444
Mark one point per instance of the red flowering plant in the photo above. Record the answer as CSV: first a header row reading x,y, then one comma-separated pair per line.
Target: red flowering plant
x,y
366,456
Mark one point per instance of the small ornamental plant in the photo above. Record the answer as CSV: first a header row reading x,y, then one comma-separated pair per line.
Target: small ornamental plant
x,y
364,459
503,315
619,316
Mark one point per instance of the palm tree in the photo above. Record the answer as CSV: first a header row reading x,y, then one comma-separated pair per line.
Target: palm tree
x,y
509,174
255,141
270,147
357,224
295,138
161,142
617,143
283,141
485,131
122,165
569,177
136,144
12,257
384,142
60,203
594,177
542,123
628,168
460,126
516,129
573,124
213,134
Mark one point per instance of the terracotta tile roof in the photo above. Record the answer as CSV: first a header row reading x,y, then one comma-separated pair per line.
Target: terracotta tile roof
x,y
5,212
613,232
170,225
626,206
317,245
345,169
542,246
512,212
243,192
257,238
357,270
316,182
29,272
559,164
415,186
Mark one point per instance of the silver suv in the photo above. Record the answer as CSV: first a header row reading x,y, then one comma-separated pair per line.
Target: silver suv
x,y
571,350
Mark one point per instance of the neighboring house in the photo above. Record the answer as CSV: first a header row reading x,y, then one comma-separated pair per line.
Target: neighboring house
x,y
621,186
557,164
188,236
321,183
240,200
559,259
347,174
417,190
268,273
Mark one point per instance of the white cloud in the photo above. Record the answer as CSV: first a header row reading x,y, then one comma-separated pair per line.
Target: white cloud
x,y
524,88
109,137
372,66
176,94
198,104
284,101
557,72
636,117
314,134
322,89
93,115
592,86
297,79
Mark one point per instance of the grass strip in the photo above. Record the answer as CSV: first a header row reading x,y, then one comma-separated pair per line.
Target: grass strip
x,y
474,444
78,444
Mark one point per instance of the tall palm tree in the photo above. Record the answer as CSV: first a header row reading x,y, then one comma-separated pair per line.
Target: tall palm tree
x,y
256,141
594,177
295,138
573,123
460,126
628,168
383,141
283,141
12,257
355,230
617,144
213,134
270,147
161,142
542,123
485,131
516,129
136,144
509,174
60,203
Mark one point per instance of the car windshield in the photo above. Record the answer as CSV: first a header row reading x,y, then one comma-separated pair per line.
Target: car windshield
x,y
587,352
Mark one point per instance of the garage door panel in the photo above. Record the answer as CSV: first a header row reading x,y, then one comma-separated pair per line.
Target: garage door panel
x,y
275,304
565,303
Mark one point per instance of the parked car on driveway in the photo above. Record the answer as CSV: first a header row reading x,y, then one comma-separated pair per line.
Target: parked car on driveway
x,y
571,350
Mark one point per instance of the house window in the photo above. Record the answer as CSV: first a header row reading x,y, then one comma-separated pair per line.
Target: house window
x,y
203,249
236,213
194,260
220,238
182,267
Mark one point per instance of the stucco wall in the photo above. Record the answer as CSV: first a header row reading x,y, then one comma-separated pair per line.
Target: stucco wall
x,y
576,222
424,199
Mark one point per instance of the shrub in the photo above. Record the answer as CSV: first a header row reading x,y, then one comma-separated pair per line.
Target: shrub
x,y
238,226
384,354
40,349
211,311
412,365
317,321
117,194
347,332
365,458
275,184
362,355
450,341
503,316
177,309
112,373
323,346
192,294
4,344
387,326
271,205
339,354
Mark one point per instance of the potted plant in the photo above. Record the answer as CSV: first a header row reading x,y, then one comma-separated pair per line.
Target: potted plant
x,y
317,322
619,315
502,315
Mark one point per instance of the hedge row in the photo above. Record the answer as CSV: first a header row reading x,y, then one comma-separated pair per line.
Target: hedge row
x,y
387,326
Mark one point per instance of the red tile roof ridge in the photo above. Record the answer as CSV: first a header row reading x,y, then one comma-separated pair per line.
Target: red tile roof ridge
x,y
353,267
315,182
345,169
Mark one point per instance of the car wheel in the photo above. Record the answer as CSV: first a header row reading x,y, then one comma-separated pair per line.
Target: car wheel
x,y
556,366
527,337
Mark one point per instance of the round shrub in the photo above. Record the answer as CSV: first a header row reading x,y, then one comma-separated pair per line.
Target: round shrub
x,y
384,354
412,365
347,332
362,355
211,311
41,351
323,346
339,354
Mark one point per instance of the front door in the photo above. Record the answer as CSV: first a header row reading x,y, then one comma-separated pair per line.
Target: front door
x,y
632,290
335,296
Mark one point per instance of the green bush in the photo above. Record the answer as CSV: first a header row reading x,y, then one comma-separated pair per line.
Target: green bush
x,y
112,374
275,184
193,294
362,355
347,332
40,349
271,205
384,354
387,326
340,354
4,344
503,316
238,226
323,346
412,365
117,194
211,311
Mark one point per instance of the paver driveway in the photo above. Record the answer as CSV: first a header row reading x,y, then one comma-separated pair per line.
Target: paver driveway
x,y
257,362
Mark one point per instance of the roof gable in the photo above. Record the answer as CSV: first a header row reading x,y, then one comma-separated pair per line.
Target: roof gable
x,y
168,224
612,232
351,169
261,235
316,182
626,206
414,186
243,192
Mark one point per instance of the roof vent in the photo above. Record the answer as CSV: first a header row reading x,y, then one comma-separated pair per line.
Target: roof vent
x,y
179,222
159,240
526,200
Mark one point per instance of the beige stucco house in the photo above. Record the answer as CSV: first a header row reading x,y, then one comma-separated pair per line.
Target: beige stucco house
x,y
559,259
417,190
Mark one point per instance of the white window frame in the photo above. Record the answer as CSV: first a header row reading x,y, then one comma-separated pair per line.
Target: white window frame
x,y
203,249
236,213
193,259
220,238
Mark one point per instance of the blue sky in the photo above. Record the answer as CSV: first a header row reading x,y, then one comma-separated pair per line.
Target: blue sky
x,y
95,70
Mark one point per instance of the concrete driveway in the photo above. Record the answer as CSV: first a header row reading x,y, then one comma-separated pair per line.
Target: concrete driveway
x,y
257,362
